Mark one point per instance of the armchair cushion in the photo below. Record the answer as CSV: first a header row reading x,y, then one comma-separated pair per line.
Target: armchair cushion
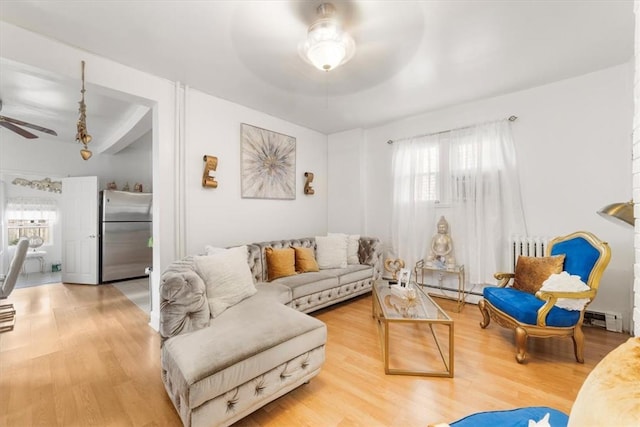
x,y
580,256
524,307
531,272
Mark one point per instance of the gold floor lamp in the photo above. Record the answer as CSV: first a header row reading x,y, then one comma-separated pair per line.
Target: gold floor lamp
x,y
620,213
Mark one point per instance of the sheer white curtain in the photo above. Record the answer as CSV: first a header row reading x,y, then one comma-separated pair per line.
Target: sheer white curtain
x,y
469,176
416,170
485,198
31,208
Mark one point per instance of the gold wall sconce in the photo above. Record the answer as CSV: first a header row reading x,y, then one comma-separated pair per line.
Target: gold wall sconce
x,y
308,189
208,176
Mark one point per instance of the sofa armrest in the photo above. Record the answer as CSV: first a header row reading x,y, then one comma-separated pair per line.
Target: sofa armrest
x,y
370,253
183,300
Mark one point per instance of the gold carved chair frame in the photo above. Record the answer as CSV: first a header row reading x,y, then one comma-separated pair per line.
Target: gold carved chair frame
x,y
541,330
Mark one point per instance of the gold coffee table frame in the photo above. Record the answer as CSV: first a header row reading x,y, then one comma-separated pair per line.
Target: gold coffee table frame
x,y
422,270
426,312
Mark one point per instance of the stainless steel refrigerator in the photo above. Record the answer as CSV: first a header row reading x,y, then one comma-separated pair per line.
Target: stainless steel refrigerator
x,y
125,235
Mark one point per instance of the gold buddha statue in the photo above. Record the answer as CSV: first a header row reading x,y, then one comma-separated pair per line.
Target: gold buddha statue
x,y
441,254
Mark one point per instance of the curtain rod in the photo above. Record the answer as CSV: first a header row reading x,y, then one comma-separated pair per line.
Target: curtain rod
x,y
510,118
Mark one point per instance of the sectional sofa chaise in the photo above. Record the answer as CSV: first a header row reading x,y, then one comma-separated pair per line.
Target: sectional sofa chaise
x,y
219,368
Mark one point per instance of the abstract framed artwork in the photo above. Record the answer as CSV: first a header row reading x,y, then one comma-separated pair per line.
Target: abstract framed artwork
x,y
268,164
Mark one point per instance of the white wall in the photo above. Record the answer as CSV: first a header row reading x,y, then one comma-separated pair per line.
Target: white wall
x,y
573,143
28,48
48,157
636,173
346,203
573,146
220,217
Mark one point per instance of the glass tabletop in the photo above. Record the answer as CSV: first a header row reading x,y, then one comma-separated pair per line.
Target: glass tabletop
x,y
410,303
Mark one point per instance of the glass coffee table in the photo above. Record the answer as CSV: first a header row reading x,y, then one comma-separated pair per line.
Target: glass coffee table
x,y
412,327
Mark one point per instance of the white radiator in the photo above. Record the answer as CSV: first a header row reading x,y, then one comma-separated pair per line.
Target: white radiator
x,y
534,246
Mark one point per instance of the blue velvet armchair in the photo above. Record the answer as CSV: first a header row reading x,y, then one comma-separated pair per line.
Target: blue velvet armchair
x,y
536,314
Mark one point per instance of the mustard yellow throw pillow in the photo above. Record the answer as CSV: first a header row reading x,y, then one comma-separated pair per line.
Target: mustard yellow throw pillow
x,y
305,260
531,272
280,263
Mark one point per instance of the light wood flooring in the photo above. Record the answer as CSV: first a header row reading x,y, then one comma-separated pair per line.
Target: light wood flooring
x,y
84,355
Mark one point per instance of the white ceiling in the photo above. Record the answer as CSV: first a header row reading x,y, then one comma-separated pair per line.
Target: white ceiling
x,y
411,57
42,98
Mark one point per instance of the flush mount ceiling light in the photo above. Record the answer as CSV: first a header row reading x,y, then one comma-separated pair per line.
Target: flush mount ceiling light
x,y
327,45
82,136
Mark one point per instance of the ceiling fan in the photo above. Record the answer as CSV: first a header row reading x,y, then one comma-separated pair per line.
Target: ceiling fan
x,y
16,126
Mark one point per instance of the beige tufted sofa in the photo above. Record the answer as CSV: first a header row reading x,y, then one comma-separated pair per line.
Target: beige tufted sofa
x,y
217,371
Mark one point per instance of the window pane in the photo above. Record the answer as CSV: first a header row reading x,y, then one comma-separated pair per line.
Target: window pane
x,y
427,175
464,157
25,228
30,217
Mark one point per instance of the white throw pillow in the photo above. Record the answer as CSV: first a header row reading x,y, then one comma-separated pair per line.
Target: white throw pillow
x,y
211,250
227,278
331,251
563,282
353,245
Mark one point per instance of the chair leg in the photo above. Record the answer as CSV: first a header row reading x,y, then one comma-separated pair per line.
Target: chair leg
x,y
578,344
485,314
521,344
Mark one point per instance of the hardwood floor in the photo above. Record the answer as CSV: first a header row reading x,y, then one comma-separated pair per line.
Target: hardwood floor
x,y
84,355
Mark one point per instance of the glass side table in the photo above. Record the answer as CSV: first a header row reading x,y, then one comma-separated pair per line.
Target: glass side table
x,y
422,270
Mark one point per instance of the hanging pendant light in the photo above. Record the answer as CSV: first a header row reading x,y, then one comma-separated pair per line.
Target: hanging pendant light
x,y
82,136
327,45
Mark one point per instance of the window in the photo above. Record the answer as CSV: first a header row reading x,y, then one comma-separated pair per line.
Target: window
x,y
472,173
446,171
28,217
425,174
420,175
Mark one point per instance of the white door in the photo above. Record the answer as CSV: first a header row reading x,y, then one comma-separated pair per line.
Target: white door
x,y
79,215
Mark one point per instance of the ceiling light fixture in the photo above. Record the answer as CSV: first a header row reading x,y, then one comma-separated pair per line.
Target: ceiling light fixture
x,y
327,45
82,136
